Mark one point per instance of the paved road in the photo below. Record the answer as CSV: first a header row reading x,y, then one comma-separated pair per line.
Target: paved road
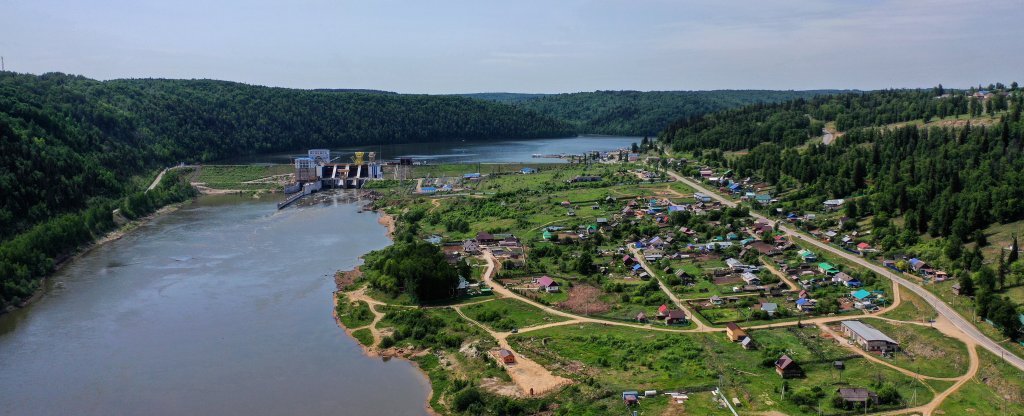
x,y
941,307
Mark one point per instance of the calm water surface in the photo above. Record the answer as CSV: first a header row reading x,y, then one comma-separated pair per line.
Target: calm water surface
x,y
223,307
494,151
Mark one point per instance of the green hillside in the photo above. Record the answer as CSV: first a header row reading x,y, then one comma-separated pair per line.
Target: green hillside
x,y
72,148
637,113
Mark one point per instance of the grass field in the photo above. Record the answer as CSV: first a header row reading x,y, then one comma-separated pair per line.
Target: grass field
x,y
998,388
243,177
364,336
353,314
913,308
924,350
506,313
631,359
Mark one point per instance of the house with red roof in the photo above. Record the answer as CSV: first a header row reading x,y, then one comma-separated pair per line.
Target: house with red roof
x,y
548,284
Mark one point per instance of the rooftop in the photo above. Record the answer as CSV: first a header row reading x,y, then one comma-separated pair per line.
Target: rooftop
x,y
867,332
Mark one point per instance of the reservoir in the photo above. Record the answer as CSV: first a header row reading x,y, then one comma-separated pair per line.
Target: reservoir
x,y
222,307
457,151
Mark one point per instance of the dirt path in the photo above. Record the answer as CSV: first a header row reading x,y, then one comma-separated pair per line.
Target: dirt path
x,y
157,180
532,378
505,292
664,288
781,275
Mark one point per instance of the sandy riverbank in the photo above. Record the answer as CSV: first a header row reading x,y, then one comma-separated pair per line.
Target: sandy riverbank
x,y
388,222
343,279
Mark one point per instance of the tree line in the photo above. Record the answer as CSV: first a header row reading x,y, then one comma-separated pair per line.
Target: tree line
x,y
636,113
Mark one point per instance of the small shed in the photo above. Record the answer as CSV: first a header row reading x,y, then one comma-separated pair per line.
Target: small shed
x,y
506,356
641,317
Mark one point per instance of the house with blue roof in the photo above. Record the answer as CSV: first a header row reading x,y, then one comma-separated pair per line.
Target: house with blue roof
x,y
471,176
527,171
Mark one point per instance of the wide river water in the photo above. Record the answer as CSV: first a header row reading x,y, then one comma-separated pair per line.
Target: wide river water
x,y
497,151
221,307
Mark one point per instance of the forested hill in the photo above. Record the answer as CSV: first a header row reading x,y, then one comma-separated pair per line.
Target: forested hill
x,y
60,129
70,146
942,163
637,113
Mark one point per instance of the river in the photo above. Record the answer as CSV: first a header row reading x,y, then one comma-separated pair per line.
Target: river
x,y
223,307
494,151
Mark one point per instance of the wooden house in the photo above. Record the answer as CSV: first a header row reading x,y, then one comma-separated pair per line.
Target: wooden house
x,y
787,368
734,332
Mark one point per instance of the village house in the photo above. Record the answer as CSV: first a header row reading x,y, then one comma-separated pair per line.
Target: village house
x,y
750,278
734,332
768,307
701,197
827,269
787,368
641,318
869,338
673,317
807,256
470,247
485,238
548,284
857,395
805,304
833,204
765,248
846,280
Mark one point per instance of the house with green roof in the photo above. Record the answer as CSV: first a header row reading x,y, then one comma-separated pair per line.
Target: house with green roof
x,y
828,269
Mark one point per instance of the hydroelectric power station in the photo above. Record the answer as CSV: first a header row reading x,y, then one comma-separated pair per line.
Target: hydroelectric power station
x,y
318,171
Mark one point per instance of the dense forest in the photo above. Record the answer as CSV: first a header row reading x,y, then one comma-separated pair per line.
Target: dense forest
x,y
637,113
929,184
72,148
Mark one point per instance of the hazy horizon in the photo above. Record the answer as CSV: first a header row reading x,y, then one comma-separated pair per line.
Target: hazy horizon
x,y
459,47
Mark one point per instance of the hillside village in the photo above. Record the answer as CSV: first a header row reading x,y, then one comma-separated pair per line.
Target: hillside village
x,y
621,252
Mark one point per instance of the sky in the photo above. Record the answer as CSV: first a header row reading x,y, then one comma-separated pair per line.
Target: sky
x,y
547,46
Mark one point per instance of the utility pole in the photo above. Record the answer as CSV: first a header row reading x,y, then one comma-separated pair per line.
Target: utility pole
x,y
2,67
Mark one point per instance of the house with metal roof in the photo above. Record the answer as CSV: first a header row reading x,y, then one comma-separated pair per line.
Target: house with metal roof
x,y
869,338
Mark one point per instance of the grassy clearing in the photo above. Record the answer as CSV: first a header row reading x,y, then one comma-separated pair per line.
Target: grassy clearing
x,y
998,388
353,314
631,359
364,336
243,177
913,308
506,313
925,350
